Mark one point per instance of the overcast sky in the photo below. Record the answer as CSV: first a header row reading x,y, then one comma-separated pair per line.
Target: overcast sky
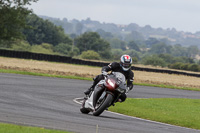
x,y
184,15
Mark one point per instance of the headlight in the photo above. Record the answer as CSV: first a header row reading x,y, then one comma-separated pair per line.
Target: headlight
x,y
111,83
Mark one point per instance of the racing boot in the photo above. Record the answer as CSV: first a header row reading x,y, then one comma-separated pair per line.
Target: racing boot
x,y
95,81
87,92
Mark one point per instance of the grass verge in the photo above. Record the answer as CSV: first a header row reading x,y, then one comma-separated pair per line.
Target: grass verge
x,y
168,86
42,74
85,78
10,128
176,111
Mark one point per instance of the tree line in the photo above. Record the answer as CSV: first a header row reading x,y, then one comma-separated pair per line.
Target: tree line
x,y
20,29
127,32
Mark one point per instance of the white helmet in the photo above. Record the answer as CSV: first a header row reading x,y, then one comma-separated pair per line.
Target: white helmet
x,y
125,62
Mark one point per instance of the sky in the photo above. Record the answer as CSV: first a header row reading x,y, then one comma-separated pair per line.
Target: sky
x,y
183,15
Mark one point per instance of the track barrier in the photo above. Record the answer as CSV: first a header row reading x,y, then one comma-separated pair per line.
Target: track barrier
x,y
65,59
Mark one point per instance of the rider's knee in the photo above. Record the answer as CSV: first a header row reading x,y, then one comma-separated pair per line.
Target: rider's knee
x,y
123,97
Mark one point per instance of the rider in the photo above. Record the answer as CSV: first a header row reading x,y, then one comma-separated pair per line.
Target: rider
x,y
124,67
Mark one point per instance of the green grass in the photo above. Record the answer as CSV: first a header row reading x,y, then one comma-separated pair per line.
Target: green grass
x,y
10,128
84,78
176,111
43,74
167,86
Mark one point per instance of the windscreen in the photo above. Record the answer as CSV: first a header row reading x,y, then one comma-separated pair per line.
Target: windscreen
x,y
120,76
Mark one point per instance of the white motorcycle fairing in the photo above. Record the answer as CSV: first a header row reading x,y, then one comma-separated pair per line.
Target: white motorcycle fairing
x,y
89,102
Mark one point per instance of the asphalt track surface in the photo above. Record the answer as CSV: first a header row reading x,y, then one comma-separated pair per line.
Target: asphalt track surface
x,y
48,102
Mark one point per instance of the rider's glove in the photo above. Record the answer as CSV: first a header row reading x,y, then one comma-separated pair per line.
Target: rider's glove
x,y
104,73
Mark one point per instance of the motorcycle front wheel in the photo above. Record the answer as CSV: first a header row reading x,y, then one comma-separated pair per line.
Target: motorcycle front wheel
x,y
104,104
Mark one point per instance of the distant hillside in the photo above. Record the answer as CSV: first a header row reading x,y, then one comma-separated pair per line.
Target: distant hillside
x,y
127,32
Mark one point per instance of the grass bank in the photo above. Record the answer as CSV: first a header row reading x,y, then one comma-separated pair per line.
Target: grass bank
x,y
86,78
10,128
176,111
43,74
141,77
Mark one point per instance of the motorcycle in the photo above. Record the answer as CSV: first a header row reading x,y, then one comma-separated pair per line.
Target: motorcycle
x,y
105,94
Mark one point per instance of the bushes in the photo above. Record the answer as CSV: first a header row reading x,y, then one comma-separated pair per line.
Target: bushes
x,y
185,66
90,54
43,48
163,60
194,67
154,61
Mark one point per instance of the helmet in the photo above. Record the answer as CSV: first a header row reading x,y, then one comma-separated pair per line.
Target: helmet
x,y
125,62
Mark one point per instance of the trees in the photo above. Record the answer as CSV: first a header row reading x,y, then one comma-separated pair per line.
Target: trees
x,y
43,31
154,61
133,45
90,54
117,44
66,49
43,48
21,46
133,53
160,48
92,41
134,35
13,15
178,50
79,28
192,51
150,41
185,66
104,34
167,58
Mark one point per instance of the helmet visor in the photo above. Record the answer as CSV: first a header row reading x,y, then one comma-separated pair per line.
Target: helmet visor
x,y
126,65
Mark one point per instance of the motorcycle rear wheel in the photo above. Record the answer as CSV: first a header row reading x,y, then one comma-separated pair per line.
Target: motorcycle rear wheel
x,y
83,109
106,103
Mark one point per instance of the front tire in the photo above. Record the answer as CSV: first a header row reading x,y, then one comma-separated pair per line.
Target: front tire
x,y
106,103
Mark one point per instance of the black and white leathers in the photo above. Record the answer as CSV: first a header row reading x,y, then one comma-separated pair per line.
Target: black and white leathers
x,y
115,67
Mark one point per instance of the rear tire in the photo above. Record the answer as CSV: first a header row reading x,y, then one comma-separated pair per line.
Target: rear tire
x,y
83,109
106,103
